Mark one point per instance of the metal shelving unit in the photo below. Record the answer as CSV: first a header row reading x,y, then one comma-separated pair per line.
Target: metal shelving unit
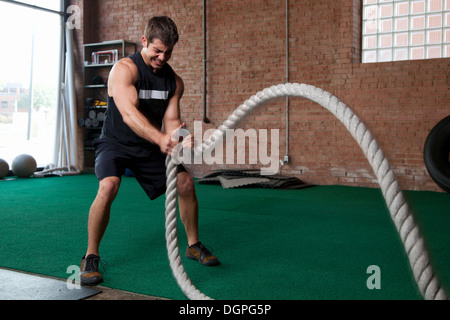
x,y
98,59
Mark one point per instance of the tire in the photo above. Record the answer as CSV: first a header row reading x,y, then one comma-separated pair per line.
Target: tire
x,y
436,153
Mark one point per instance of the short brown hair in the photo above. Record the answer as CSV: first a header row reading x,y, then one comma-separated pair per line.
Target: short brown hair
x,y
162,28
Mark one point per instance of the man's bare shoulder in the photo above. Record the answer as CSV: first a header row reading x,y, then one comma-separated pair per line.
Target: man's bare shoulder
x,y
124,65
180,85
124,71
123,74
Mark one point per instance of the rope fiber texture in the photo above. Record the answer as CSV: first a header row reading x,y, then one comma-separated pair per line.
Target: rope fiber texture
x,y
403,220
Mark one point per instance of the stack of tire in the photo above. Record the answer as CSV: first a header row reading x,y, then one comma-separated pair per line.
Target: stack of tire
x,y
436,153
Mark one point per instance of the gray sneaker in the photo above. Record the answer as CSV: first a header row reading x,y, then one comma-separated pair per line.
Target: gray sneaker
x,y
89,274
198,252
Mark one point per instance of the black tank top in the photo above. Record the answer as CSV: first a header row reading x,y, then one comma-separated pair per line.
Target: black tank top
x,y
154,91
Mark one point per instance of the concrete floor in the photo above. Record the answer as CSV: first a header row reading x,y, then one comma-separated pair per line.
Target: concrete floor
x,y
20,285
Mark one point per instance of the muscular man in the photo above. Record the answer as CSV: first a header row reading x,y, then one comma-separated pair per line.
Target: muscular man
x,y
143,111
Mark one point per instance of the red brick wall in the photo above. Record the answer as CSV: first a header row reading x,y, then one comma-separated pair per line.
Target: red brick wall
x,y
398,102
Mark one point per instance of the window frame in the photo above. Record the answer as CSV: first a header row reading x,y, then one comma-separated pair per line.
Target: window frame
x,y
380,41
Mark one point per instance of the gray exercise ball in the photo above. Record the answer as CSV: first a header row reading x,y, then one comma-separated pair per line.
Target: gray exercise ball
x,y
23,166
4,168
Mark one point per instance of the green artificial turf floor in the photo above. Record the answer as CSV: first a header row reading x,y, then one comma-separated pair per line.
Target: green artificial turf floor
x,y
313,243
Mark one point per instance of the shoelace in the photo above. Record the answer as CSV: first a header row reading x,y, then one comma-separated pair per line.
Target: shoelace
x,y
94,263
202,248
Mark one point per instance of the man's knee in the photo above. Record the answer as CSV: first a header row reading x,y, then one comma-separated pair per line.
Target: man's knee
x,y
185,185
109,187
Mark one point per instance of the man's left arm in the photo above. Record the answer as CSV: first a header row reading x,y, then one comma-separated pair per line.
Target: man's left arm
x,y
172,116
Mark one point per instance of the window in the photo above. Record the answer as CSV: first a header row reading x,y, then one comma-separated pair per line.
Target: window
x,y
29,64
396,30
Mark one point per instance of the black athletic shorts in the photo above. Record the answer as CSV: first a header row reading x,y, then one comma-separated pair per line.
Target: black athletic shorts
x,y
150,172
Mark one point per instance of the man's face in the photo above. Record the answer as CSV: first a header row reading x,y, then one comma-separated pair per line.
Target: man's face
x,y
157,53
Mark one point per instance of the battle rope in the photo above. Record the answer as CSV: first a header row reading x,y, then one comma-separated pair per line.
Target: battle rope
x,y
404,222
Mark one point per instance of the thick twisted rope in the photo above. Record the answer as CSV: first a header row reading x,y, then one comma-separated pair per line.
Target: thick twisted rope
x,y
172,239
403,220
